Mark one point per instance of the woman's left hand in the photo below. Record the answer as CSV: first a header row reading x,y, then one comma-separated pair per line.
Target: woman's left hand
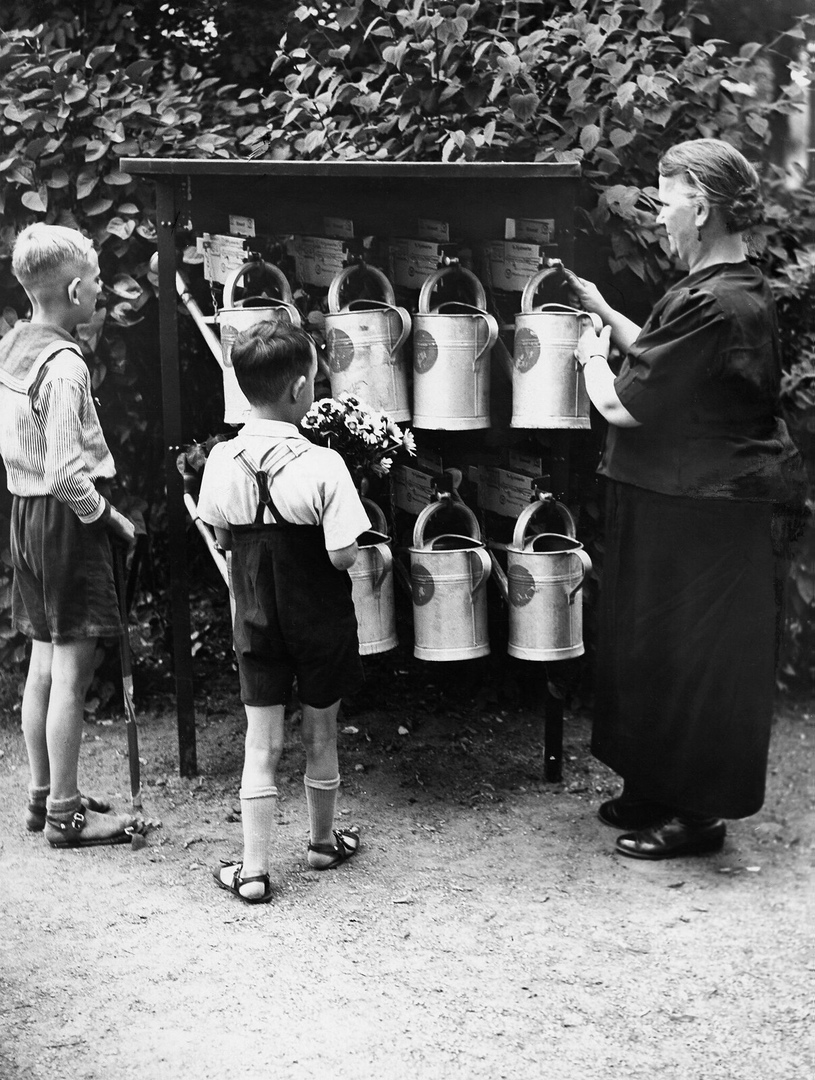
x,y
590,344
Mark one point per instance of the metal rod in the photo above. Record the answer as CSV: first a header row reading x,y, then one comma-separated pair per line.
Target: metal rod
x,y
198,317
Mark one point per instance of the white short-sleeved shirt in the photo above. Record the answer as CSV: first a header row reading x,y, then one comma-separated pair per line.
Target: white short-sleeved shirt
x,y
312,489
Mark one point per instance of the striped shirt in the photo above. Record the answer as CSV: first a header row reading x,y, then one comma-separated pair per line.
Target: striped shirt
x,y
51,440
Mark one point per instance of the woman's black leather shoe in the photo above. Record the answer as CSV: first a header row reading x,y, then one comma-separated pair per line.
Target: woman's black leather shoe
x,y
626,813
673,838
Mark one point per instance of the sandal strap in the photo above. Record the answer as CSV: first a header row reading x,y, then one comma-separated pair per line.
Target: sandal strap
x,y
339,847
75,821
237,880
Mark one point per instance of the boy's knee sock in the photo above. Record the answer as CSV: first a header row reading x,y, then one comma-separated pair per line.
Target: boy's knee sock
x,y
321,797
257,816
62,808
38,795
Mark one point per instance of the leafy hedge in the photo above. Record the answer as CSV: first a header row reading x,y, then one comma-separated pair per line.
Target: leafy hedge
x,y
609,83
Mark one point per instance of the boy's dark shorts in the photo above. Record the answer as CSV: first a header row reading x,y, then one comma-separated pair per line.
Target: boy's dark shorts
x,y
63,573
277,640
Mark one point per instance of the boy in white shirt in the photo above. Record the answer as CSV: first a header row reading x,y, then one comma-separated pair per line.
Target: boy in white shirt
x,y
290,514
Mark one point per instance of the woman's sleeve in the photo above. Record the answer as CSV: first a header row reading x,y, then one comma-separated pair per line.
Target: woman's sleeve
x,y
672,355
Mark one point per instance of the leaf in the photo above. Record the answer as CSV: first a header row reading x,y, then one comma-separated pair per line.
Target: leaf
x,y
140,70
96,149
75,92
346,16
117,226
36,200
589,137
758,124
86,182
98,56
98,206
524,105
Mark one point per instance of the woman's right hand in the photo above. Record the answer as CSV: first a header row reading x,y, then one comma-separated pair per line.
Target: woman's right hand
x,y
586,295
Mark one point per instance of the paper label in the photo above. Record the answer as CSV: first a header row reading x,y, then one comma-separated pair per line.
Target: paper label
x,y
241,226
530,230
318,259
413,261
428,229
222,255
512,264
340,228
503,492
412,489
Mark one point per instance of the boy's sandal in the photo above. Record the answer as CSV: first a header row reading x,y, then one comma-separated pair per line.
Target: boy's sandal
x,y
347,845
66,832
35,812
234,886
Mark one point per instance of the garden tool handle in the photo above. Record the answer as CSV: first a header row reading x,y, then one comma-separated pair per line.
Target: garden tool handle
x,y
583,556
480,563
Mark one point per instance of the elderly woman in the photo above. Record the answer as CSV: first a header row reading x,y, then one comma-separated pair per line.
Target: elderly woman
x,y
700,467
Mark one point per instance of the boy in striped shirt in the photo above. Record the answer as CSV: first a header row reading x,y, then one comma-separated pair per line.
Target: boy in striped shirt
x,y
56,461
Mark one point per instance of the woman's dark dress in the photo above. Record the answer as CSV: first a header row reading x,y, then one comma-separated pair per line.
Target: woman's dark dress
x,y
685,675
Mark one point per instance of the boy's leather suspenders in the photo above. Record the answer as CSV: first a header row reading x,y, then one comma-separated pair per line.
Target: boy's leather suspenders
x,y
270,465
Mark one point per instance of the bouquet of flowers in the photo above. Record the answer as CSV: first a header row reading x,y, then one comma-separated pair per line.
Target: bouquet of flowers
x,y
367,440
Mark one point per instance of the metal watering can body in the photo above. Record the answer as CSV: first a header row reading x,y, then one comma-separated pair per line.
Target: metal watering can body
x,y
365,340
451,359
372,587
237,316
548,389
545,575
449,574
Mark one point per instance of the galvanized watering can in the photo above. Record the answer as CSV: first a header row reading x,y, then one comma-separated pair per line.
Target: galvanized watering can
x,y
548,390
449,573
451,358
364,341
545,574
236,316
372,586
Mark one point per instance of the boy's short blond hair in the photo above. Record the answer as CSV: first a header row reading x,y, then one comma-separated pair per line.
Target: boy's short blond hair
x,y
44,254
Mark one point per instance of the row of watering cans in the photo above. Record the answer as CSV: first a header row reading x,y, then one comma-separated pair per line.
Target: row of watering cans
x,y
452,347
449,574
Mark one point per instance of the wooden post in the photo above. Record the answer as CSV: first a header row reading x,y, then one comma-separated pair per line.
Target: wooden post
x,y
166,221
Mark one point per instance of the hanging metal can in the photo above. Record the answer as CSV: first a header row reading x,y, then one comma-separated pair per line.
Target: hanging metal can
x,y
372,586
364,341
449,573
452,345
238,315
545,575
548,389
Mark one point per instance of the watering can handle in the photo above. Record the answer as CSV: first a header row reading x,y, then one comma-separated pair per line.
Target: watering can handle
x,y
586,561
525,518
232,281
480,568
492,336
404,317
432,281
432,509
384,553
337,282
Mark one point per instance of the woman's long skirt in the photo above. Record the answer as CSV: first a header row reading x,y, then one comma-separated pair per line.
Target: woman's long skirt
x,y
686,650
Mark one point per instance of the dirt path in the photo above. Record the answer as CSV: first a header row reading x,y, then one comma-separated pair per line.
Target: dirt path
x,y
486,931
